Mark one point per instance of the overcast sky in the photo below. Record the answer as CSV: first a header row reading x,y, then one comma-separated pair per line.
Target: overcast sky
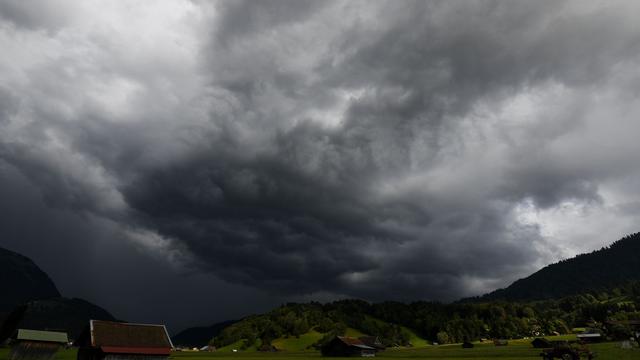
x,y
188,162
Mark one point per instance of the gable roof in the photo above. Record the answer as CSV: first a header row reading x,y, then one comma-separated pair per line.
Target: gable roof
x,y
354,342
126,337
372,341
45,336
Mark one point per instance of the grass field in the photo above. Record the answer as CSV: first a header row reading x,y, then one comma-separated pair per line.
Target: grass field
x,y
298,344
516,350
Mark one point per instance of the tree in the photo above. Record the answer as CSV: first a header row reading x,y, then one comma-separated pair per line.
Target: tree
x,y
443,337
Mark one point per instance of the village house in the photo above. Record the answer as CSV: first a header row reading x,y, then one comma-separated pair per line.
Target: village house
x,y
36,344
347,346
107,340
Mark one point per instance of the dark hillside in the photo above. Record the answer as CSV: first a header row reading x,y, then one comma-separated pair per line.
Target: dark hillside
x,y
199,336
69,315
22,280
30,299
604,268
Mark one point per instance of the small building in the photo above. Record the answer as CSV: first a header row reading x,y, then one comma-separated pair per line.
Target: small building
x,y
108,340
36,344
541,343
347,346
590,336
500,342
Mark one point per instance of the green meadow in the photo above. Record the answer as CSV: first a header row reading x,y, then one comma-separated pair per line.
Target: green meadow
x,y
517,349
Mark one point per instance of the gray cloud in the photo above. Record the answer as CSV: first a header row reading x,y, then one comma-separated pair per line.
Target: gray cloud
x,y
404,149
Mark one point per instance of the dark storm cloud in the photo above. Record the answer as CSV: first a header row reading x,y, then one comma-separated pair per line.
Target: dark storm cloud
x,y
241,18
388,149
34,14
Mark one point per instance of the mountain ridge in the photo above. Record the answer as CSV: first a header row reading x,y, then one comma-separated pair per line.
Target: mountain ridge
x,y
609,266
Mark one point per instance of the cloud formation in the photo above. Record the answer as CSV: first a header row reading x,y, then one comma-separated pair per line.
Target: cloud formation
x,y
405,150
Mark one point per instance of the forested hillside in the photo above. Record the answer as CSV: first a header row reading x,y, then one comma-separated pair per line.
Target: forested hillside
x,y
399,324
604,268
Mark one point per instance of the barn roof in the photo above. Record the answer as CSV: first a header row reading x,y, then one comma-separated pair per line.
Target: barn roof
x,y
354,342
45,336
588,335
117,337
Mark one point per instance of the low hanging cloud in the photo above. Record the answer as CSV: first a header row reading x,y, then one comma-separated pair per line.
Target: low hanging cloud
x,y
375,149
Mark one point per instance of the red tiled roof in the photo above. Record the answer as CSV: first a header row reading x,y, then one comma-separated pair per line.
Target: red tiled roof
x,y
109,334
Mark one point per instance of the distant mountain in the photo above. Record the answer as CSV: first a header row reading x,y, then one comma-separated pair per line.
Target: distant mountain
x,y
22,280
30,299
601,269
68,315
199,336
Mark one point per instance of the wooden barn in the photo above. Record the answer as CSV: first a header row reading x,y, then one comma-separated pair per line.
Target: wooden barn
x,y
347,346
36,344
108,340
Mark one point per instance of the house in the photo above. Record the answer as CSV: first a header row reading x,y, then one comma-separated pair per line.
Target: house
x,y
347,346
36,344
541,343
108,340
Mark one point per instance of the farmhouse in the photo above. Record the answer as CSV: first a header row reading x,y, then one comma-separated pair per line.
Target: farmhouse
x,y
36,345
107,340
541,343
347,346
